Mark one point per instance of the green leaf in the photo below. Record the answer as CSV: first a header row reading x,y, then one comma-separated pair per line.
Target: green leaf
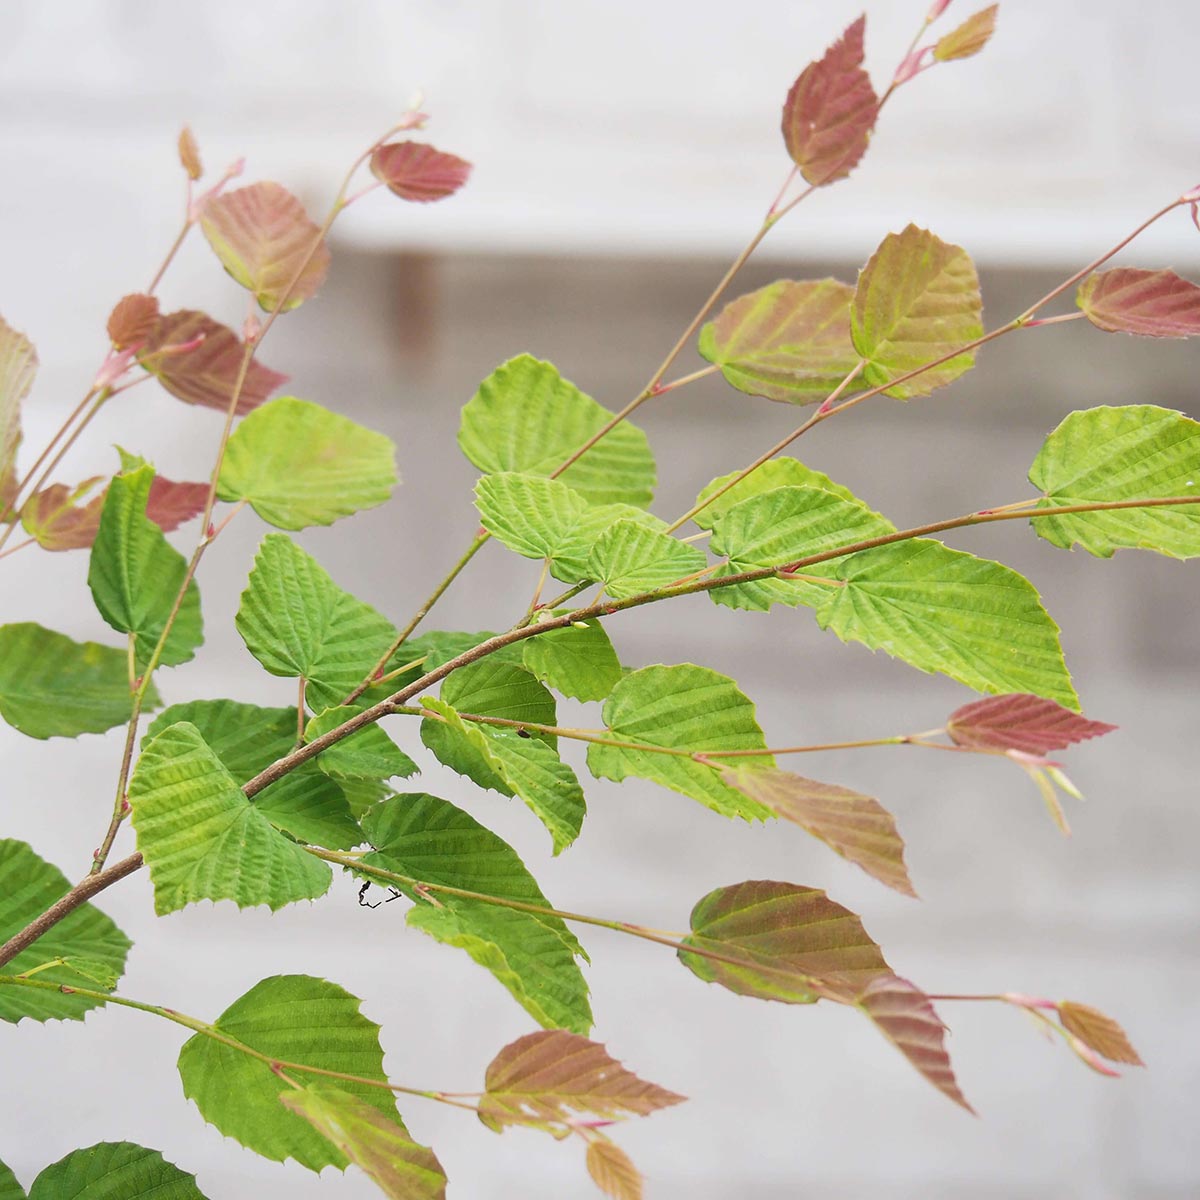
x,y
777,527
114,1171
288,1018
297,622
10,1188
526,417
51,686
577,661
203,840
97,973
681,709
530,514
381,1146
573,563
299,464
29,886
367,754
500,689
1139,451
18,366
305,803
629,558
266,241
789,943
532,954
135,575
917,300
788,341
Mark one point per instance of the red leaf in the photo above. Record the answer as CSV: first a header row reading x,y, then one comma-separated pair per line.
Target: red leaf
x,y
265,240
133,320
205,373
415,171
969,38
1030,724
170,504
55,518
189,154
1148,303
909,1021
830,111
1098,1032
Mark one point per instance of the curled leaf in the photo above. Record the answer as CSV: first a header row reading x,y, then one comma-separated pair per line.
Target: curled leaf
x,y
1031,724
1098,1032
416,171
969,38
830,111
189,154
1146,303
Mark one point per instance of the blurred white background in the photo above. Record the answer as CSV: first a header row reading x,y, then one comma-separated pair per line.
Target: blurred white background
x,y
623,153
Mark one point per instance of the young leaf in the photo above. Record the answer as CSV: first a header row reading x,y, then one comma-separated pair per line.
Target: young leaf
x,y
554,1078
10,1188
909,1021
28,886
790,943
1148,303
612,1170
288,1018
367,754
630,558
501,689
577,661
917,300
299,464
172,504
535,516
198,361
855,826
297,622
51,686
379,1144
1098,1032
18,366
680,709
58,521
415,171
203,840
1138,451
831,110
266,241
133,320
115,1171
969,38
526,417
1030,724
189,154
135,575
532,954
788,341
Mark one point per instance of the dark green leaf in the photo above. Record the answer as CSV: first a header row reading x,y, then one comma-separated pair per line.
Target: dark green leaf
x,y
114,1171
367,754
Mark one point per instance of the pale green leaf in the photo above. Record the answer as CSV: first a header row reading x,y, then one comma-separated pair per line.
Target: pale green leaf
x,y
526,417
463,746
532,954
18,366
10,1187
135,574
203,840
917,299
297,622
788,341
629,558
29,886
577,661
573,562
288,1018
681,710
380,1145
1135,452
366,754
530,514
299,464
500,689
51,686
114,1171
96,972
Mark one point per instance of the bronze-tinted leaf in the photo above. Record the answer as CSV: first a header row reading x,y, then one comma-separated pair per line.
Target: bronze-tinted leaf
x,y
266,241
416,171
1031,724
189,154
171,504
831,110
855,826
909,1021
206,372
57,519
1099,1032
18,365
612,1170
969,38
1147,303
779,941
552,1078
133,320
